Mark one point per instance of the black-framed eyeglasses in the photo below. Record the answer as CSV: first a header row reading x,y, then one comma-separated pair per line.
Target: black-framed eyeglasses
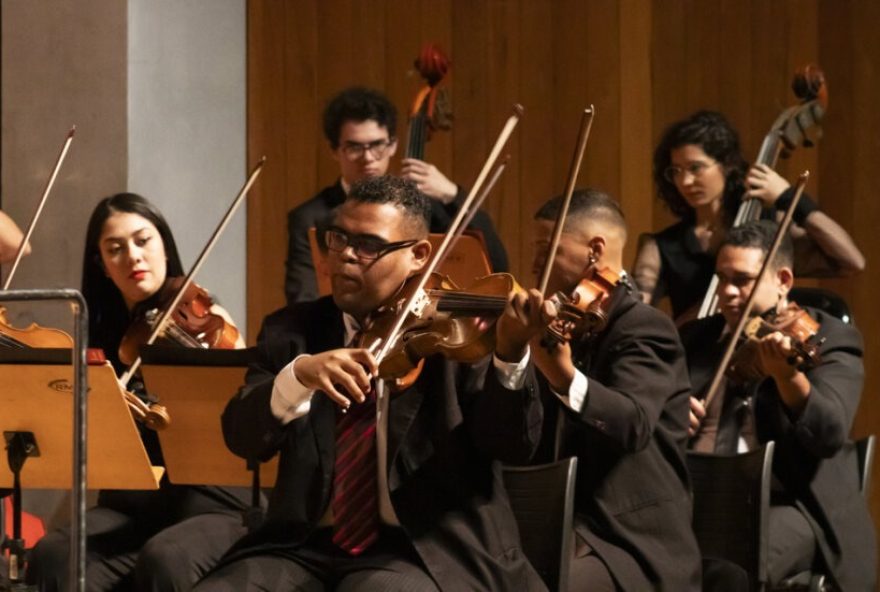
x,y
695,169
364,247
356,150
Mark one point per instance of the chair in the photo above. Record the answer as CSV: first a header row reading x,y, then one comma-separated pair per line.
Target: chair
x,y
731,508
865,451
824,300
542,498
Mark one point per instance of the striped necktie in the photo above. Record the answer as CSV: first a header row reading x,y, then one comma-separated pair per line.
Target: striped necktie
x,y
355,501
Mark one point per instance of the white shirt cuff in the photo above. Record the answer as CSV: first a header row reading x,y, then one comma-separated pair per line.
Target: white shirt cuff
x,y
512,375
290,398
577,392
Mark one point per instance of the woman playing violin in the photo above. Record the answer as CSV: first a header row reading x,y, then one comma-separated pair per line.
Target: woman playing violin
x,y
617,399
702,176
144,540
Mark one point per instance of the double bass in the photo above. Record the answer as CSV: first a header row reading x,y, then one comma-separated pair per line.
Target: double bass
x,y
797,125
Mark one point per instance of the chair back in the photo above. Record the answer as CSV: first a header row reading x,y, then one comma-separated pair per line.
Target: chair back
x,y
542,498
824,300
865,450
731,507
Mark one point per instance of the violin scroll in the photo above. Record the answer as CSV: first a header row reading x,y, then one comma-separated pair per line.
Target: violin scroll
x,y
152,415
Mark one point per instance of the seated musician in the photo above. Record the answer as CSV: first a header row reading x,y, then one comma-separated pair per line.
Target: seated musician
x,y
403,491
702,177
10,239
144,540
817,515
618,401
361,126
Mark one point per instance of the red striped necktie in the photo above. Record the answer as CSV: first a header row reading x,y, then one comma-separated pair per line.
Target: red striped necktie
x,y
355,481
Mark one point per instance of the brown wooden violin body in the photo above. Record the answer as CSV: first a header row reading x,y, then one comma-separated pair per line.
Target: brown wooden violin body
x,y
459,324
586,310
793,322
31,336
192,324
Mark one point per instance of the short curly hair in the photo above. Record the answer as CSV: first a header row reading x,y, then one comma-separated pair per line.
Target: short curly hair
x,y
712,132
358,104
399,192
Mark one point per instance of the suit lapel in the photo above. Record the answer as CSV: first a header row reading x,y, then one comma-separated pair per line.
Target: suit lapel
x,y
402,410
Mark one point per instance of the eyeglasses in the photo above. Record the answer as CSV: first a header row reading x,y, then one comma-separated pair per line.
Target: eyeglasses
x,y
356,150
695,169
364,247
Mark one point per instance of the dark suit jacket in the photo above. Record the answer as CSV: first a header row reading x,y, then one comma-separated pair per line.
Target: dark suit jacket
x,y
809,461
445,436
632,500
300,283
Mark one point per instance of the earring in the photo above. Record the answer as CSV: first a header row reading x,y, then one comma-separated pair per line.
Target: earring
x,y
592,258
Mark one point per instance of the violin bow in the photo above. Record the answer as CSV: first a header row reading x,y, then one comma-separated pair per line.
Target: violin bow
x,y
27,235
475,207
750,302
166,314
577,158
418,294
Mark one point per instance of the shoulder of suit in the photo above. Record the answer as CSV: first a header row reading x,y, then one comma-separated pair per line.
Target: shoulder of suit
x,y
301,314
836,333
318,205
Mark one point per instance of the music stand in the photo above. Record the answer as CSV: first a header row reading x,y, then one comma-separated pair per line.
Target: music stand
x,y
465,262
195,385
36,399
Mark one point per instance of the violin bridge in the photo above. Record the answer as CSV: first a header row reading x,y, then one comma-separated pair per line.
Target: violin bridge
x,y
419,303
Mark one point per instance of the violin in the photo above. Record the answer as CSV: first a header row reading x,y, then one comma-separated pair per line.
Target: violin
x,y
585,311
461,321
191,324
793,322
32,336
458,324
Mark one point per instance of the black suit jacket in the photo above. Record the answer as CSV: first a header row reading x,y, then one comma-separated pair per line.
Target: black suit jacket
x,y
633,502
445,436
300,283
809,462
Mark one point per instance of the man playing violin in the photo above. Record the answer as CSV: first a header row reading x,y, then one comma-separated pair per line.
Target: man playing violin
x,y
817,516
410,498
360,126
617,400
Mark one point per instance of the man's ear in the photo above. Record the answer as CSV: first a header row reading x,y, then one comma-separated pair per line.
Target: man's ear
x,y
785,277
392,148
597,248
421,252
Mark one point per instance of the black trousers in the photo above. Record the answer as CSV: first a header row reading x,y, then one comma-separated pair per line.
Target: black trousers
x,y
145,540
792,543
390,565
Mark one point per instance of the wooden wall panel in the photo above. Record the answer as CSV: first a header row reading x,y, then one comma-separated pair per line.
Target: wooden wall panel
x,y
643,63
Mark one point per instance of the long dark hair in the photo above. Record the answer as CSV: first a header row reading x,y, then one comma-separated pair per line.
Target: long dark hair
x,y
108,315
710,131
